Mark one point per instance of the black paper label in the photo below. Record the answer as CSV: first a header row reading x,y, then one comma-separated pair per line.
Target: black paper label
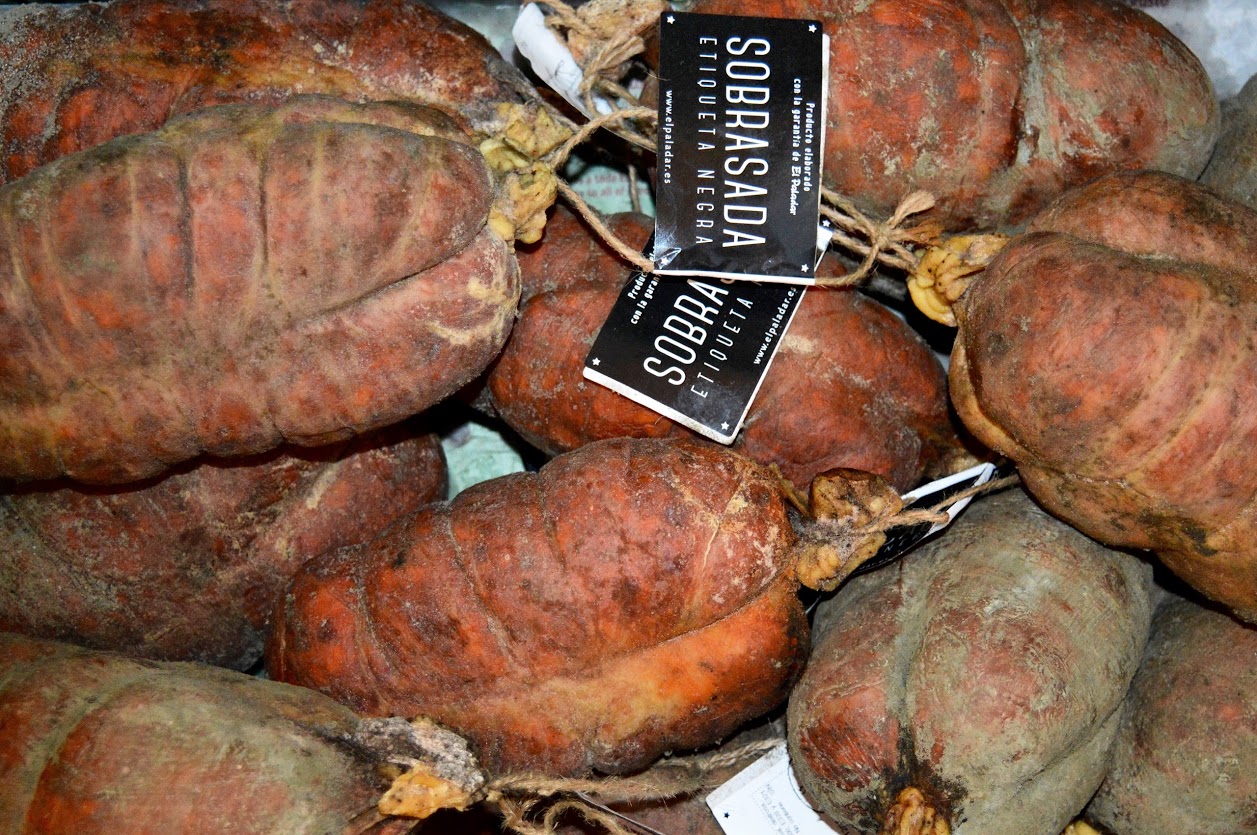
x,y
695,350
741,133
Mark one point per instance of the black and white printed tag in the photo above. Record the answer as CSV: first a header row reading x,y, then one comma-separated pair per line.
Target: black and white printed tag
x,y
695,350
765,799
901,539
740,140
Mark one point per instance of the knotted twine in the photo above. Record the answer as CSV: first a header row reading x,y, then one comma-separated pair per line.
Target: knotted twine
x,y
603,37
559,156
885,241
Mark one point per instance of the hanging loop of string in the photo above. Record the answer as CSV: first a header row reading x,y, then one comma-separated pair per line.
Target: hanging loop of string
x,y
559,156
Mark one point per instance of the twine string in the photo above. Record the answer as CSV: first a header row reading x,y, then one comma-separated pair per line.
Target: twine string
x,y
883,242
848,524
602,67
602,70
935,515
595,221
563,16
556,158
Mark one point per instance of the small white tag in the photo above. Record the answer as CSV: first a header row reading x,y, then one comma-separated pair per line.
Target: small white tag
x,y
765,799
551,60
971,477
